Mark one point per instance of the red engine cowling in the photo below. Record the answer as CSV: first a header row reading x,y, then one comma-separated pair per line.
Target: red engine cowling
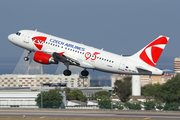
x,y
44,58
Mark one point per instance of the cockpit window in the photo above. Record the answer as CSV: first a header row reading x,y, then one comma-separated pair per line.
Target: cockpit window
x,y
18,33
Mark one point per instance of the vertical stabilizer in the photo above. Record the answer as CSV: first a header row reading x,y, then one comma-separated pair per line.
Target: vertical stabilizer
x,y
151,53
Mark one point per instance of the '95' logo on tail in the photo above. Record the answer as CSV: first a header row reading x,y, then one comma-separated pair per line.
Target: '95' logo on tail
x,y
152,52
38,41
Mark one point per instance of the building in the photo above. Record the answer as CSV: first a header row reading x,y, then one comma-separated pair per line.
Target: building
x,y
160,79
176,65
156,79
145,80
75,104
18,80
18,99
22,99
165,78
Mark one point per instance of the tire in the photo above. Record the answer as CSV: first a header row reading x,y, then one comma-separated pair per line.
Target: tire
x,y
67,73
26,58
84,73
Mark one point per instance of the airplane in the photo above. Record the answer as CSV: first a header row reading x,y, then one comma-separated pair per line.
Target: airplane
x,y
52,50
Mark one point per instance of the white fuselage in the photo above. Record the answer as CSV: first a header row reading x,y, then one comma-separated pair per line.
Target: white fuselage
x,y
88,57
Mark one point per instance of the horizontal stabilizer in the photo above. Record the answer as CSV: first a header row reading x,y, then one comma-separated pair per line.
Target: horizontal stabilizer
x,y
144,72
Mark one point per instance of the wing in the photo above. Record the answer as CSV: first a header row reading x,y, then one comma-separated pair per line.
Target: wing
x,y
72,60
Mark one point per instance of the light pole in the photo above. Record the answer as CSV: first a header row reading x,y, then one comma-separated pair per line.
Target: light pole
x,y
111,103
41,97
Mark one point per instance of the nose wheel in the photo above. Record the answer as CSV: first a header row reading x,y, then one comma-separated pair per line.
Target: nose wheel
x,y
28,56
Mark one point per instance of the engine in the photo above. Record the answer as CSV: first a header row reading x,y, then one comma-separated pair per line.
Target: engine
x,y
44,58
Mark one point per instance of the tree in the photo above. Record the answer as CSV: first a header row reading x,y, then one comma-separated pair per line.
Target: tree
x,y
77,95
51,99
171,90
153,91
172,106
123,89
168,92
100,94
149,105
118,105
134,105
104,102
159,105
103,98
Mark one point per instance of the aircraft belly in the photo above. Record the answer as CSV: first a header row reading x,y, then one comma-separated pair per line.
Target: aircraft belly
x,y
86,65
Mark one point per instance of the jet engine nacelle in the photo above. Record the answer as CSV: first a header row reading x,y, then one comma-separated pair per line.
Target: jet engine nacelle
x,y
44,58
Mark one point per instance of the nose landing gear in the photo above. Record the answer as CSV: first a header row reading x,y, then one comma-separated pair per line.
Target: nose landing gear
x,y
27,57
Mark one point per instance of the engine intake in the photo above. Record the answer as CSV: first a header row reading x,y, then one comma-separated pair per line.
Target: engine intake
x,y
44,58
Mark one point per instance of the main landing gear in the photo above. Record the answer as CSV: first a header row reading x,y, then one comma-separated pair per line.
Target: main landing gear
x,y
27,57
67,72
84,73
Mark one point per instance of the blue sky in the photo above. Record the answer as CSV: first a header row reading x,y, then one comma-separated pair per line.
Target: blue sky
x,y
119,26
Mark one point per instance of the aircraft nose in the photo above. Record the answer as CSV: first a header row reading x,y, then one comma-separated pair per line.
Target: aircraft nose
x,y
10,37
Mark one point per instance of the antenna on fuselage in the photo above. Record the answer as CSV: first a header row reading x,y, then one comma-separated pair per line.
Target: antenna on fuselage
x,y
35,30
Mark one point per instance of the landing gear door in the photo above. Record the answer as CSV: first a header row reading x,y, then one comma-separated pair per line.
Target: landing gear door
x,y
122,65
27,37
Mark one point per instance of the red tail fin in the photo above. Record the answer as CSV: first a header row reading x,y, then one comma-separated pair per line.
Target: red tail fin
x,y
151,53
